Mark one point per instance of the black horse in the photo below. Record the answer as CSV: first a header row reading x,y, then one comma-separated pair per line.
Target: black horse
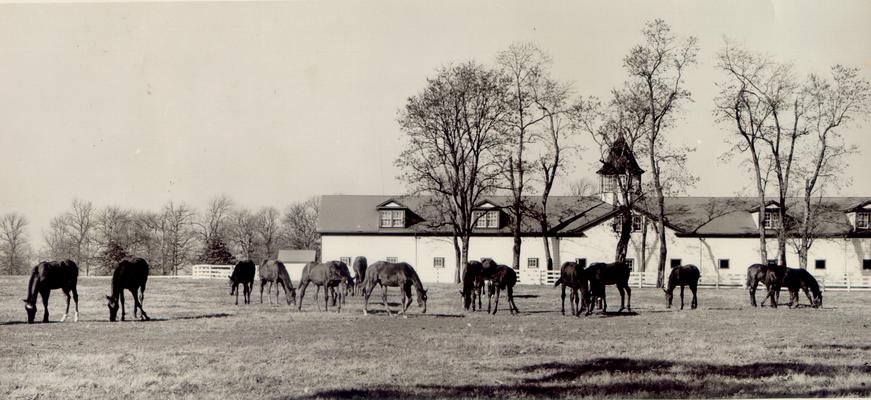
x,y
573,277
49,275
601,275
472,285
771,276
360,265
130,274
243,273
501,277
683,275
797,278
400,275
274,271
334,276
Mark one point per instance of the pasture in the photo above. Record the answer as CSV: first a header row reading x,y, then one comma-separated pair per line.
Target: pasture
x,y
200,345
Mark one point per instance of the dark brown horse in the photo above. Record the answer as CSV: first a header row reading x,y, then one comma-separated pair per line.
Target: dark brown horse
x,y
130,274
334,276
49,275
797,278
683,275
573,277
601,275
502,278
472,285
771,276
360,265
243,273
274,271
401,275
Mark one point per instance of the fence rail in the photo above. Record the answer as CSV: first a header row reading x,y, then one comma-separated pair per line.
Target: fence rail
x,y
211,271
648,279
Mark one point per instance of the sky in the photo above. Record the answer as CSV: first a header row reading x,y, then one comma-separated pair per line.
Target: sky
x,y
137,104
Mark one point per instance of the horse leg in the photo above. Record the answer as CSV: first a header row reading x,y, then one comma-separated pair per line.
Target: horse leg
x,y
573,302
681,297
76,299
695,303
622,298
262,284
236,290
752,288
496,305
137,302
511,305
45,294
67,294
807,293
123,310
317,292
406,299
384,299
302,286
563,300
277,289
366,292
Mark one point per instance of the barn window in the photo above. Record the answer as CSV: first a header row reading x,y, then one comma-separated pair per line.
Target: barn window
x,y
636,223
771,219
772,261
393,218
820,264
675,262
392,259
724,263
863,220
630,262
486,219
438,262
866,264
532,262
346,260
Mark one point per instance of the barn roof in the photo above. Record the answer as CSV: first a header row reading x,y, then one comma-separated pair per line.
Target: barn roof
x,y
296,256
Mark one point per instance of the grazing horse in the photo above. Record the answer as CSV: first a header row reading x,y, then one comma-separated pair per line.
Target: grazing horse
x,y
797,278
472,284
602,274
130,274
360,264
49,275
683,275
273,271
243,273
502,277
400,275
573,277
332,275
771,276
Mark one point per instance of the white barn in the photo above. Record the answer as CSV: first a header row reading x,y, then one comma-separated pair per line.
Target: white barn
x,y
718,234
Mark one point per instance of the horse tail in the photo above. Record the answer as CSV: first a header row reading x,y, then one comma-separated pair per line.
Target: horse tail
x,y
558,282
32,288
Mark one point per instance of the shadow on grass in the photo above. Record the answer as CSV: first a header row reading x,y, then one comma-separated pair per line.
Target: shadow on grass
x,y
633,378
526,296
192,317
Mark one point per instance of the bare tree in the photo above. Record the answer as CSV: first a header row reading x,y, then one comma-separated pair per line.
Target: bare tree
x,y
300,225
741,104
269,230
113,232
243,232
451,132
57,239
178,234
657,69
583,186
80,222
525,66
13,243
213,228
832,105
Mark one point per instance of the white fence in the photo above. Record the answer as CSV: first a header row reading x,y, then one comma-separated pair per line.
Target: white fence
x,y
211,271
648,279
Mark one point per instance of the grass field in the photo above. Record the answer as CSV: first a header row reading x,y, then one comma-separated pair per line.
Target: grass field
x,y
200,345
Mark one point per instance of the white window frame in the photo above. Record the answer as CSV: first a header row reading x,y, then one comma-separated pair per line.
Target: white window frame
x,y
630,262
486,219
771,219
438,262
393,218
636,222
532,263
392,259
346,260
863,220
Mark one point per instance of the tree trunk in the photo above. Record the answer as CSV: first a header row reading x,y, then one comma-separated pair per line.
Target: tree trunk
x,y
464,256
458,275
625,233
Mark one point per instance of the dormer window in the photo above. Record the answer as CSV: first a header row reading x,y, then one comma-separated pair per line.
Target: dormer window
x,y
636,222
863,220
486,219
393,218
771,219
612,183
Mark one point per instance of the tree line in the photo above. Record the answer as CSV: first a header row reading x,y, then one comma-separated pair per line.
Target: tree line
x,y
510,128
171,238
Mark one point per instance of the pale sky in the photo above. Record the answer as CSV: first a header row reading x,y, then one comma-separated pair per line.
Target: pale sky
x,y
138,104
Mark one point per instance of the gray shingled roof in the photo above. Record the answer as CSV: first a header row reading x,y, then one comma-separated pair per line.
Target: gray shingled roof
x,y
571,215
